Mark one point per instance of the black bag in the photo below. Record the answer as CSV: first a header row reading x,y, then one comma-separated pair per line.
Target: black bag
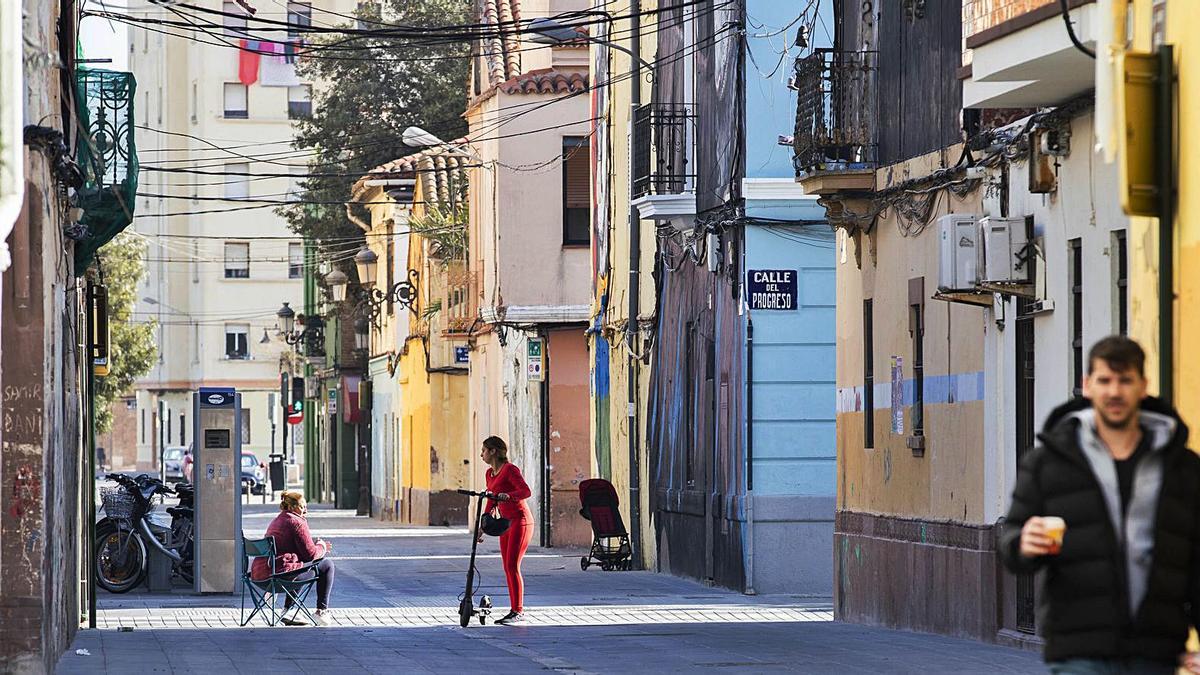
x,y
494,525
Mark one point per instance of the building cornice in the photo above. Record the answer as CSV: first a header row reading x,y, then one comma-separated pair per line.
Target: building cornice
x,y
774,189
535,314
666,207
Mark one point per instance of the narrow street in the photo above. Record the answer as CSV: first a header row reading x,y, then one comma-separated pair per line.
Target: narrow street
x,y
395,603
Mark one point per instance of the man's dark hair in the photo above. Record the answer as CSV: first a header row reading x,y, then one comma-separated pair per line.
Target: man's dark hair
x,y
1120,353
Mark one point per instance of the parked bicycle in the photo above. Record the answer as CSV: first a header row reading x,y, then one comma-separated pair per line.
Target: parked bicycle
x,y
121,555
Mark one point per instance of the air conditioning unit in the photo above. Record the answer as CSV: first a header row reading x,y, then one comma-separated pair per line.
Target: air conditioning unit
x,y
959,255
1006,258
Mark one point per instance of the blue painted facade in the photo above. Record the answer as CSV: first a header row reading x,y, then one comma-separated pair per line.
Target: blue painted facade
x,y
791,392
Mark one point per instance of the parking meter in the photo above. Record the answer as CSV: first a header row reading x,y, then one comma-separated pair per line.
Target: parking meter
x,y
217,475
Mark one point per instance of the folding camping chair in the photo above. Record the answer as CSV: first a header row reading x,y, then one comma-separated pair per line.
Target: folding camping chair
x,y
263,592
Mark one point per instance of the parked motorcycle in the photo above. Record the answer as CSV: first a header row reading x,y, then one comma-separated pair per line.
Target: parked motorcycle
x,y
121,556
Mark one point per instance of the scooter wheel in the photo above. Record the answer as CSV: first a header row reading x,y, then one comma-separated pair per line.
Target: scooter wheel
x,y
583,563
465,610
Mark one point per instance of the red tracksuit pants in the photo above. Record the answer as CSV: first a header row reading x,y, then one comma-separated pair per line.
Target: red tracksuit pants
x,y
513,544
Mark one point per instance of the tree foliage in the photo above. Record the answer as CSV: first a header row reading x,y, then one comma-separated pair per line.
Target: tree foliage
x,y
367,99
131,346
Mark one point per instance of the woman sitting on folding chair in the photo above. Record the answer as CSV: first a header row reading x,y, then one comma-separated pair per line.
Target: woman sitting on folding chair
x,y
294,547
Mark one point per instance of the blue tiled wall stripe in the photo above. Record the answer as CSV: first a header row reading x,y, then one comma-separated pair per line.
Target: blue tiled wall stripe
x,y
953,388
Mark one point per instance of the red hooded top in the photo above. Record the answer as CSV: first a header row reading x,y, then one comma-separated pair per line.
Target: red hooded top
x,y
509,480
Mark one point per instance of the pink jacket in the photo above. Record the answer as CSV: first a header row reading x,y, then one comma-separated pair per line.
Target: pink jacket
x,y
294,546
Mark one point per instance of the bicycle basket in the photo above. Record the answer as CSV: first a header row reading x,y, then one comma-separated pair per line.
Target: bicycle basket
x,y
118,503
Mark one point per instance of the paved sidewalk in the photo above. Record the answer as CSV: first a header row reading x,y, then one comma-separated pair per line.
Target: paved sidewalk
x,y
395,601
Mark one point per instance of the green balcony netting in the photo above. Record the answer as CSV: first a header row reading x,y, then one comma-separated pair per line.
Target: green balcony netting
x,y
107,155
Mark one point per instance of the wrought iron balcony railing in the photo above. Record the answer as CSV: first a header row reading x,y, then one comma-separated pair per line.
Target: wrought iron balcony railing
x,y
107,155
662,138
835,111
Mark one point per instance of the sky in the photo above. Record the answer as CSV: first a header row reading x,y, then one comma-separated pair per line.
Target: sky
x,y
103,39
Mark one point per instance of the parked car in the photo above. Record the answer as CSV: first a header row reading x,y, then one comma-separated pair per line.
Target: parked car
x,y
173,461
254,473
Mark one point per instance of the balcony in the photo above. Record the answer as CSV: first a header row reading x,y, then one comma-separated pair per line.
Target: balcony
x,y
107,155
1018,54
834,142
662,142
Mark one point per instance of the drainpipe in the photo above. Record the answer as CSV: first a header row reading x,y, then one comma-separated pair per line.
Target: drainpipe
x,y
1165,130
632,329
749,456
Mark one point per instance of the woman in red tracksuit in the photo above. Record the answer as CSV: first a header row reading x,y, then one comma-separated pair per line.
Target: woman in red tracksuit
x,y
505,481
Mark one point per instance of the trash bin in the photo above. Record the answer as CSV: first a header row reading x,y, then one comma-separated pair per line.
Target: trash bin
x,y
278,480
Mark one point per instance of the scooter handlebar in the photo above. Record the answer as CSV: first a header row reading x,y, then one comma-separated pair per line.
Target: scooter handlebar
x,y
473,493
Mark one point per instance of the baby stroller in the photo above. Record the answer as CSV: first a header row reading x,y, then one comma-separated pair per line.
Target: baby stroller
x,y
610,541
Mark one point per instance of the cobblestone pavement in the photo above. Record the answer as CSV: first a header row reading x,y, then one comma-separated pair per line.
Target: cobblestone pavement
x,y
395,601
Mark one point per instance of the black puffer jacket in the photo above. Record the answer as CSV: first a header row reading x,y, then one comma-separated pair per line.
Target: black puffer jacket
x,y
1083,607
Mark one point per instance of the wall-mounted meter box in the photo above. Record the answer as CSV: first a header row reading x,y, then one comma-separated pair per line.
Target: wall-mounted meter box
x,y
217,475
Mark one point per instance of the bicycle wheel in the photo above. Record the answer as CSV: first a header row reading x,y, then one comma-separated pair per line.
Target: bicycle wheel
x,y
120,559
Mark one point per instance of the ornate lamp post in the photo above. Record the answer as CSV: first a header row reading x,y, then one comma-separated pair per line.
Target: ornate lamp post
x,y
368,298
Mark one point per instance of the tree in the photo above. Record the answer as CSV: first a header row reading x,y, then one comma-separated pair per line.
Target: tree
x,y
131,347
373,88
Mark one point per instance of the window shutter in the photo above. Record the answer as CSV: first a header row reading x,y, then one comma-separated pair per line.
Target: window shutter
x,y
578,185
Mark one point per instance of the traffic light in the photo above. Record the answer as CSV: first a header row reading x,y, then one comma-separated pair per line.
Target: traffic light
x,y
297,395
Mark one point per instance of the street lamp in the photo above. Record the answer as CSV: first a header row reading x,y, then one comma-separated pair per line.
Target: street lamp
x,y
366,261
337,281
548,31
287,319
362,334
312,334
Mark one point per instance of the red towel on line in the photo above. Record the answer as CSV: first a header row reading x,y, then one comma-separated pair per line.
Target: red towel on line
x,y
248,58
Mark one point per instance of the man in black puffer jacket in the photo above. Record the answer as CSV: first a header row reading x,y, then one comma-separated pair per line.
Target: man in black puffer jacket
x,y
1122,587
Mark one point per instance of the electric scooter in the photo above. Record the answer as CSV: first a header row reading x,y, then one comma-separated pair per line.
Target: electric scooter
x,y
467,608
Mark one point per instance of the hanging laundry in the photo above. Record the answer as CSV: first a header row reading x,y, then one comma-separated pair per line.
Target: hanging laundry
x,y
289,51
248,58
276,71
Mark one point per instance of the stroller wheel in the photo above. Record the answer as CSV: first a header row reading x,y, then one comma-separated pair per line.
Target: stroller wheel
x,y
583,563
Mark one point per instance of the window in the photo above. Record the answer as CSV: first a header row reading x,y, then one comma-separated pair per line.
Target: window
x,y
868,375
577,180
369,10
299,14
237,341
236,103
299,101
237,182
237,260
234,20
1075,280
916,329
296,183
1121,281
295,260
182,429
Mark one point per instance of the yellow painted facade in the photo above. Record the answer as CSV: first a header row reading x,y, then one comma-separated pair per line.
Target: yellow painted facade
x,y
610,415
1180,20
425,392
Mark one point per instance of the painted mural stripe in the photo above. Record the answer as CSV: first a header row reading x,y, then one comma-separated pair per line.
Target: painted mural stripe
x,y
939,389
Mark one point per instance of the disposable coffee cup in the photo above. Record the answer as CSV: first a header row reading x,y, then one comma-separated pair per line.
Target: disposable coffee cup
x,y
1055,529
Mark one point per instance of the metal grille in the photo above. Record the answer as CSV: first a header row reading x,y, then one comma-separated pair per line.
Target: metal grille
x,y
835,106
662,136
107,155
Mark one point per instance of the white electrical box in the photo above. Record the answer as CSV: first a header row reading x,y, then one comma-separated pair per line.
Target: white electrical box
x,y
958,259
1004,251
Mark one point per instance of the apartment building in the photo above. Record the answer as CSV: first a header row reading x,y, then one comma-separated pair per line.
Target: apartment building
x,y
220,260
